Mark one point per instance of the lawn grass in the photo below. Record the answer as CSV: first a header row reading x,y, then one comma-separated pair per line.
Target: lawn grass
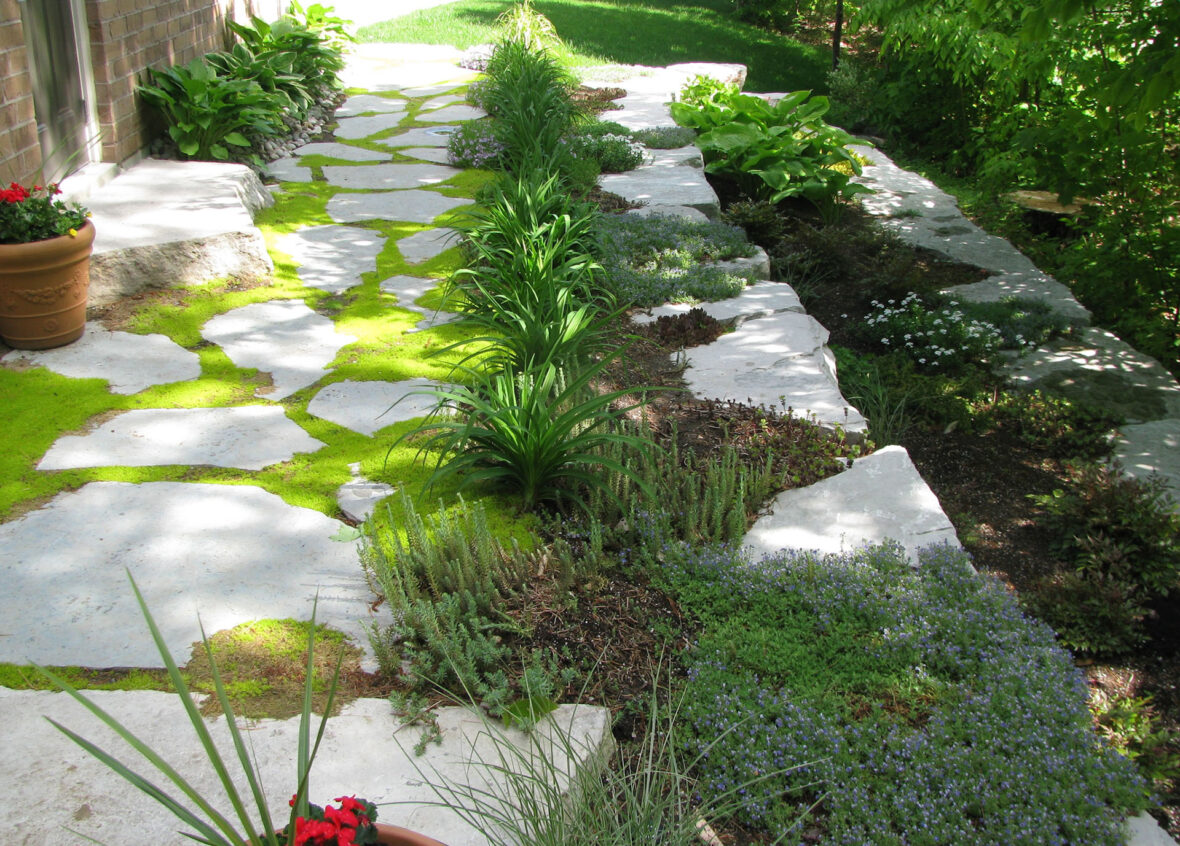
x,y
653,32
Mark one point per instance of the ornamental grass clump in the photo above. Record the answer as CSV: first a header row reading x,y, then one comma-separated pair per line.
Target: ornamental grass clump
x,y
929,708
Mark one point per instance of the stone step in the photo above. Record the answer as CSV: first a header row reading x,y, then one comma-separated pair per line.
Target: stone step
x,y
148,238
762,299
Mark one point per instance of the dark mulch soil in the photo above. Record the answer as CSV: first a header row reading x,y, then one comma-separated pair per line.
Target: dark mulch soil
x,y
598,100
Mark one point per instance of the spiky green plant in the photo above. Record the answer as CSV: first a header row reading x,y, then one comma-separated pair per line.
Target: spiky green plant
x,y
209,825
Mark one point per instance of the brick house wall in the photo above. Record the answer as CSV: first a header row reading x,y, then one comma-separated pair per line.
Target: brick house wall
x,y
20,153
125,36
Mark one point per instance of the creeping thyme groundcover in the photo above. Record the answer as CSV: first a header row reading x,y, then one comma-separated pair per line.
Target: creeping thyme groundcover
x,y
900,706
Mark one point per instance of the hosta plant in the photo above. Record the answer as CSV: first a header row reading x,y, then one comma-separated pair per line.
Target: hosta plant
x,y
774,151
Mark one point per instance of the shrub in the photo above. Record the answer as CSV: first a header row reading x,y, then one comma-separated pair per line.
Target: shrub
x,y
315,45
1121,536
1055,425
913,701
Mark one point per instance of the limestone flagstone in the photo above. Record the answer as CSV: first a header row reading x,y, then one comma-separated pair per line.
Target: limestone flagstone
x,y
360,104
241,553
675,185
762,299
407,289
359,497
442,100
880,497
1144,449
679,156
130,363
367,407
412,206
668,211
284,338
779,362
422,136
388,176
1097,366
332,258
428,243
451,114
289,170
431,90
56,789
356,128
343,152
438,155
247,437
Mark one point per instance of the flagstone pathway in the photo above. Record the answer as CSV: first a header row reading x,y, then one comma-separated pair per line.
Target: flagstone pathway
x,y
242,553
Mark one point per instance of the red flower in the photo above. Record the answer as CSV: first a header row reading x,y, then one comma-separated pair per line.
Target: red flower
x,y
14,193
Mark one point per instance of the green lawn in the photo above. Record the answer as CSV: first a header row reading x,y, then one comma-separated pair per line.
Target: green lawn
x,y
654,32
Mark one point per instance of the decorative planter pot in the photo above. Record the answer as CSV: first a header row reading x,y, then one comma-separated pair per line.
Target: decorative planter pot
x,y
43,289
392,835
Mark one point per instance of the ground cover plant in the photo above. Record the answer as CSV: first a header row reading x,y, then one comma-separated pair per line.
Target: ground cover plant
x,y
895,691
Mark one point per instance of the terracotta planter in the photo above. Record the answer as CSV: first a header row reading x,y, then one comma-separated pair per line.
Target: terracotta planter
x,y
43,289
392,835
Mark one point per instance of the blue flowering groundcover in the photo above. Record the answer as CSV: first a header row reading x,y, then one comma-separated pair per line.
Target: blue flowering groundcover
x,y
876,703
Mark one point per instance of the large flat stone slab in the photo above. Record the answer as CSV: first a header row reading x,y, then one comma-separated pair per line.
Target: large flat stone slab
x,y
247,437
428,243
51,784
289,170
1146,448
441,100
880,497
284,338
762,299
147,238
1097,367
412,206
342,152
367,407
778,361
130,363
359,497
231,553
924,215
676,186
360,104
438,155
356,128
661,210
452,114
332,258
407,289
387,176
434,136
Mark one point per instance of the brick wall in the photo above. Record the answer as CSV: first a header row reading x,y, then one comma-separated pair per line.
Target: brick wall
x,y
20,153
127,36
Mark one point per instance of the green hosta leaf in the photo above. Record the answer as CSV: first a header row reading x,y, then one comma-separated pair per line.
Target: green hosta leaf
x,y
218,152
187,146
237,139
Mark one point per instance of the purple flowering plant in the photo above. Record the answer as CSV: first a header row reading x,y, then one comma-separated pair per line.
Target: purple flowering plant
x,y
929,707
